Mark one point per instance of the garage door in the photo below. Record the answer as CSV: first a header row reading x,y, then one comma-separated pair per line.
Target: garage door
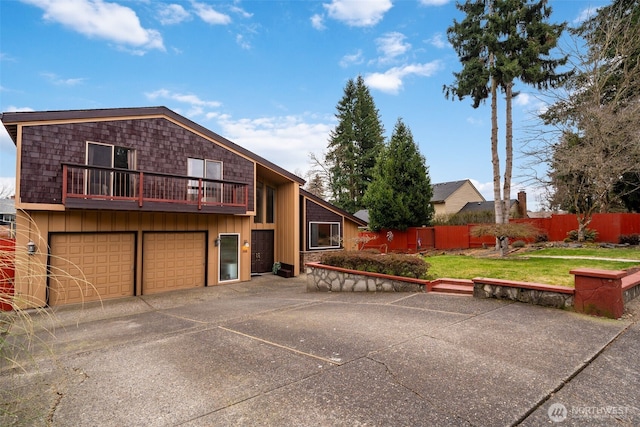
x,y
91,266
173,261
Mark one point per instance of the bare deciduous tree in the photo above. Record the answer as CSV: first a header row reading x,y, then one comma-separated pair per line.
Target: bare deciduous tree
x,y
592,134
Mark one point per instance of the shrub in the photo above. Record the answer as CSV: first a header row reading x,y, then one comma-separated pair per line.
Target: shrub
x,y
629,239
519,244
541,237
391,264
590,235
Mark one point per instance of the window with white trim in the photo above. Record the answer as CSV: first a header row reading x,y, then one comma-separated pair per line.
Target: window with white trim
x,y
324,235
203,168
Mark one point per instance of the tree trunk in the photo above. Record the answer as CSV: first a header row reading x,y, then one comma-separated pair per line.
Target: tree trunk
x,y
495,159
508,165
583,223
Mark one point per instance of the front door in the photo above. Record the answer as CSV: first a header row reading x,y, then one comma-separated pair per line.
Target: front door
x,y
261,251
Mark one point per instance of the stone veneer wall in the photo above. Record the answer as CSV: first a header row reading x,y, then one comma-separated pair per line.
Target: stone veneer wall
x,y
547,298
331,279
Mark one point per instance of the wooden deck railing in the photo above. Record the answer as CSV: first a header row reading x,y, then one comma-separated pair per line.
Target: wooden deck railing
x,y
100,183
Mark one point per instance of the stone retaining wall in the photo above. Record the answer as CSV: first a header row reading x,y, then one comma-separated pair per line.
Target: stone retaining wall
x,y
524,292
324,278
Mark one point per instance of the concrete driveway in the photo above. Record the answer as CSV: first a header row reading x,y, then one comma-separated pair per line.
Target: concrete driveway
x,y
269,353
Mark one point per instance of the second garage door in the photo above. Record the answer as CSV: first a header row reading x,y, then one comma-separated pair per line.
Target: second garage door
x,y
173,261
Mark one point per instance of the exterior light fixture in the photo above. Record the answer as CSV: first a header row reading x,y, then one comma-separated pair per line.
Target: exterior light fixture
x,y
217,241
31,247
246,244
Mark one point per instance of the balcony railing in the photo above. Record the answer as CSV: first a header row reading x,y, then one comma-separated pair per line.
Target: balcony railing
x,y
149,189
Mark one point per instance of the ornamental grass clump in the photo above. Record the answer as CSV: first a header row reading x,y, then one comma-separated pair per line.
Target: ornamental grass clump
x,y
391,264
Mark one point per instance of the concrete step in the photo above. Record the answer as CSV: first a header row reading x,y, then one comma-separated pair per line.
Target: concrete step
x,y
453,286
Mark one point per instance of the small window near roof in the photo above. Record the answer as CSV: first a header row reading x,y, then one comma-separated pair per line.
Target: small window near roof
x,y
324,235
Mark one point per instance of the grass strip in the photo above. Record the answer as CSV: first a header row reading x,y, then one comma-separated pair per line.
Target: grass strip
x,y
551,271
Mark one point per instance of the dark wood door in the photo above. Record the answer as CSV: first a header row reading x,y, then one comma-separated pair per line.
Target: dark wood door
x,y
261,251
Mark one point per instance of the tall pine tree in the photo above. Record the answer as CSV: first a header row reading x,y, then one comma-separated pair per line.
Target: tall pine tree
x,y
400,194
354,146
499,42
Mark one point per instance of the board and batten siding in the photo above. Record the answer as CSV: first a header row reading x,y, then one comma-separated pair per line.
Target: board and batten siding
x,y
37,226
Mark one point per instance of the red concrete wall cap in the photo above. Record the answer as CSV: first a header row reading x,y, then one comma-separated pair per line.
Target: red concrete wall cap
x,y
601,274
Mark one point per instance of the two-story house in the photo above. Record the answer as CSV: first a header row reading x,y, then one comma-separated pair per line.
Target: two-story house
x,y
136,201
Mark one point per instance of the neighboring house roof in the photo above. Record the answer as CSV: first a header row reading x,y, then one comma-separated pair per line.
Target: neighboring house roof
x,y
336,209
363,214
7,206
442,190
483,206
12,119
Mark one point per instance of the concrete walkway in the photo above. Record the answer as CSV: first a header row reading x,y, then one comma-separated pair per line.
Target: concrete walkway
x,y
595,258
268,353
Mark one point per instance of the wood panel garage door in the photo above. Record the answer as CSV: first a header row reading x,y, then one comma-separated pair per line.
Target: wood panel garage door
x,y
173,261
106,260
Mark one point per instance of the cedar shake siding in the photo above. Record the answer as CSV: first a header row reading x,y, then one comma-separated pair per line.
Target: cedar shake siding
x,y
161,147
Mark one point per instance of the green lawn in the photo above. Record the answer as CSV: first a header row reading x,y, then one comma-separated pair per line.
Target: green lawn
x,y
521,268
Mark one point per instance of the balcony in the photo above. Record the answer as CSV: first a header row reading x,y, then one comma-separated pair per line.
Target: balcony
x,y
95,187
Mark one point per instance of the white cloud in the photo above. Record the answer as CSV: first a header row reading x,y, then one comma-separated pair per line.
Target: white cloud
x,y
241,12
354,58
14,109
285,140
523,99
193,100
474,121
102,20
317,22
171,14
433,2
585,14
57,80
358,13
242,42
391,45
391,81
210,15
438,40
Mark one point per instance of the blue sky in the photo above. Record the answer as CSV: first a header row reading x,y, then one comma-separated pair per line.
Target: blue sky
x,y
264,74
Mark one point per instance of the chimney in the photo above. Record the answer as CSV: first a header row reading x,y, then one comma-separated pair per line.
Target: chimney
x,y
522,204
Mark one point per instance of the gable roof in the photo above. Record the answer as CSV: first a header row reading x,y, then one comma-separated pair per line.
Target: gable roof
x,y
7,206
12,119
442,190
363,214
329,206
483,206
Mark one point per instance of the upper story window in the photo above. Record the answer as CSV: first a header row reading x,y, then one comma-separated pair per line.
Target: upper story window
x,y
210,169
109,182
259,218
324,235
271,204
265,203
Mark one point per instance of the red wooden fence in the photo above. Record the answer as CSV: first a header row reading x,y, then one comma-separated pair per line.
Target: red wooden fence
x,y
7,272
609,227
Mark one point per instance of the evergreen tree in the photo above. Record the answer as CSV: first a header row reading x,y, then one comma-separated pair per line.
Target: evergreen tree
x,y
353,146
499,42
400,194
